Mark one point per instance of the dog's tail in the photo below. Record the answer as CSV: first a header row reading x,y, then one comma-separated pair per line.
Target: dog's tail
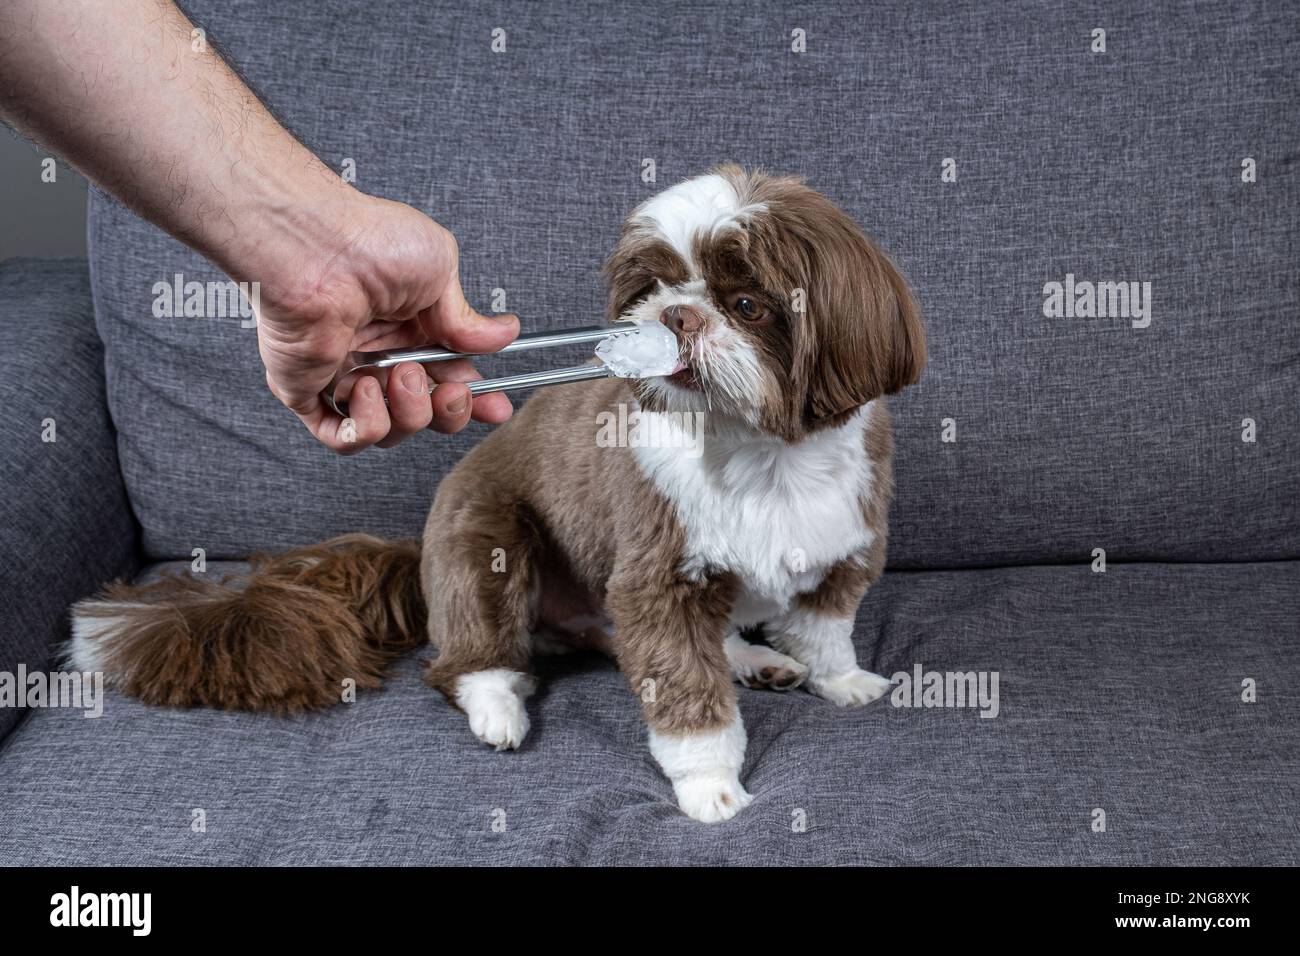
x,y
283,637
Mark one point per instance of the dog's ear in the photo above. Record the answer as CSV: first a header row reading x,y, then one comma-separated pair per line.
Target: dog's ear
x,y
908,355
639,262
628,282
862,329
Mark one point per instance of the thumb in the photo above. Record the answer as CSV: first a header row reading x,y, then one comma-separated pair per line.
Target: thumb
x,y
452,322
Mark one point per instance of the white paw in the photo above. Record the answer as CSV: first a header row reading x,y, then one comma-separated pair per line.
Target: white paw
x,y
711,797
852,688
494,703
501,723
757,666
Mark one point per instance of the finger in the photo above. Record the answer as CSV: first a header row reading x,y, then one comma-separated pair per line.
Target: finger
x,y
409,407
451,407
367,421
492,408
452,404
453,323
331,430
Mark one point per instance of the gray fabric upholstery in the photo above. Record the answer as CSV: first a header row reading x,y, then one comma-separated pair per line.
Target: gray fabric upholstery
x,y
1118,691
1071,433
64,519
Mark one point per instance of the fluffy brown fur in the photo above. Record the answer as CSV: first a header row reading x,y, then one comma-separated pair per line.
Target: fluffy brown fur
x,y
281,638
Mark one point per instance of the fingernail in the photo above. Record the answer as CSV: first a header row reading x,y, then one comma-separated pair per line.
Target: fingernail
x,y
458,406
416,382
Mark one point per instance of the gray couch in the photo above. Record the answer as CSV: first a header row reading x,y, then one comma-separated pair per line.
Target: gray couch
x,y
1119,691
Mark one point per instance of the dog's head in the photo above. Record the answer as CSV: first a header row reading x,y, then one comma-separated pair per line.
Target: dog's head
x,y
788,317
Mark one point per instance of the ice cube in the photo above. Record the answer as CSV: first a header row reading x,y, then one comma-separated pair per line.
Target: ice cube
x,y
641,350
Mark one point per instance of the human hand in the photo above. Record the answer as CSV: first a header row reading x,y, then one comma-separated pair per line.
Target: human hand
x,y
374,274
336,270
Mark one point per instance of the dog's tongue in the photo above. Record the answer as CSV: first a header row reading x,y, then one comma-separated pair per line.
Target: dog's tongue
x,y
643,350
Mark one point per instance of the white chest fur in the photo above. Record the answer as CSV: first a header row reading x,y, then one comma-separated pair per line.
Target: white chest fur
x,y
776,515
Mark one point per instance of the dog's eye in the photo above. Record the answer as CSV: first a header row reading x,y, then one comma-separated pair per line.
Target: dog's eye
x,y
751,310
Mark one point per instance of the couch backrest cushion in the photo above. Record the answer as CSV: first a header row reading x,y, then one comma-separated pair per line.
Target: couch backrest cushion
x,y
991,152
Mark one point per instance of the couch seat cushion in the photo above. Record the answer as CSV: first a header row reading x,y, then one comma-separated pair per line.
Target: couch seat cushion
x,y
1120,691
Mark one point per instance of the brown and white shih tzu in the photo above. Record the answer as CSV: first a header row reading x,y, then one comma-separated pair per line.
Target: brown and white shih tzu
x,y
660,549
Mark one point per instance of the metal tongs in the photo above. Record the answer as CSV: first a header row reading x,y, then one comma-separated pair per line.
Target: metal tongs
x,y
361,361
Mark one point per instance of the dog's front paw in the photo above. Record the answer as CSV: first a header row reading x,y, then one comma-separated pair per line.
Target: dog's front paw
x,y
494,703
711,797
501,724
852,688
757,666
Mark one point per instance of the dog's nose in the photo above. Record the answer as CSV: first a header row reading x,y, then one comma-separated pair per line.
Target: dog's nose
x,y
683,319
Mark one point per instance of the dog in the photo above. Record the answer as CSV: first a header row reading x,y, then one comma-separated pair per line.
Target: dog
x,y
793,326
